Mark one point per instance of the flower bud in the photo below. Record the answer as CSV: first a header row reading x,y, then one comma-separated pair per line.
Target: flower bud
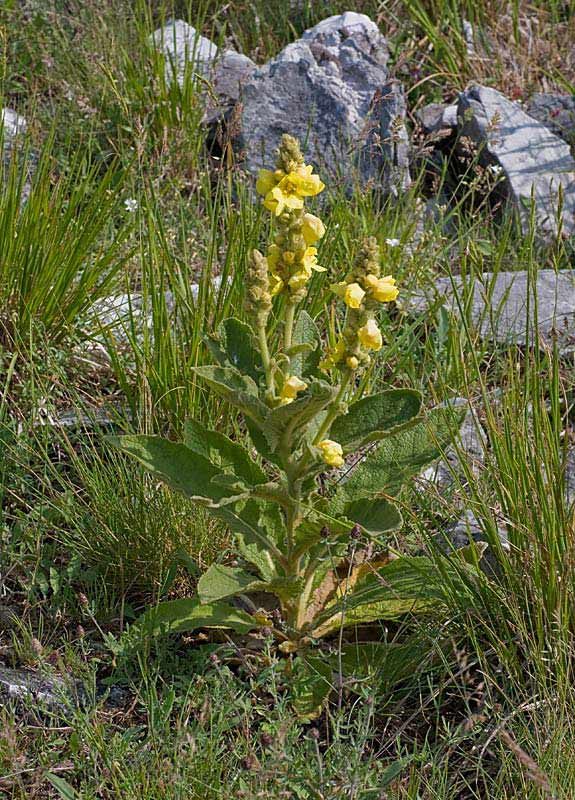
x,y
332,453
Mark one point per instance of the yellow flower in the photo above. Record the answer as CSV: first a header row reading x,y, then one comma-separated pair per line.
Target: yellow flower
x,y
291,189
299,279
308,185
283,196
370,336
309,261
268,179
313,229
292,385
276,284
353,295
352,362
383,289
274,254
331,452
334,357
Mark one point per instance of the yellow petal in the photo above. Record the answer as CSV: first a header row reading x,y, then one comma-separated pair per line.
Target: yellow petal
x,y
370,336
266,181
312,229
353,295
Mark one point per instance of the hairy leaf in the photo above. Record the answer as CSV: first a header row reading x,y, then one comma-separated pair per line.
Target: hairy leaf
x,y
371,418
239,390
404,585
257,538
188,614
403,454
237,339
290,420
311,682
375,516
224,454
179,467
305,332
220,581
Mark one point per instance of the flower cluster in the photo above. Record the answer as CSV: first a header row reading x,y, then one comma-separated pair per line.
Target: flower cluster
x,y
362,293
292,258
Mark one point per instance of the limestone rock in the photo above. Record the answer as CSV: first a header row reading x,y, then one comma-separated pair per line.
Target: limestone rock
x,y
556,112
466,530
330,89
500,304
534,161
436,117
37,695
224,71
13,127
470,445
183,44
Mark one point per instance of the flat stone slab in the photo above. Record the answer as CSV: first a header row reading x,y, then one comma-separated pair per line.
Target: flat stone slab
x,y
502,307
537,165
36,694
331,89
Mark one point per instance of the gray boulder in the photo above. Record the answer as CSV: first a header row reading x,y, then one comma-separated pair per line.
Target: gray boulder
x,y
502,306
556,112
436,117
330,89
468,529
36,694
182,45
534,162
222,71
12,129
470,447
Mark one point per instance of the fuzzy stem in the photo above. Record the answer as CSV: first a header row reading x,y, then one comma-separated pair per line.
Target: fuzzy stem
x,y
288,330
265,353
333,409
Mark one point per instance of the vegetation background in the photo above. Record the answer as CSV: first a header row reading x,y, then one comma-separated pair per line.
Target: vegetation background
x,y
480,704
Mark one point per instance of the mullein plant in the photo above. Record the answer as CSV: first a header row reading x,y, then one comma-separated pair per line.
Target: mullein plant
x,y
310,548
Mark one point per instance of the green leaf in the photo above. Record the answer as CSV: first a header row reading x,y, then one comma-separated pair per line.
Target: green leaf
x,y
255,532
261,444
371,418
189,614
388,662
224,454
304,362
219,582
405,585
375,516
311,682
239,390
178,466
403,454
290,420
237,339
63,788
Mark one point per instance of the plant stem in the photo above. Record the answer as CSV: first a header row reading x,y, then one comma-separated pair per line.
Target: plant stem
x,y
288,329
264,349
333,409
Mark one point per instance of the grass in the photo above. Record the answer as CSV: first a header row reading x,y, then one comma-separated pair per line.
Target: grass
x,y
87,542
